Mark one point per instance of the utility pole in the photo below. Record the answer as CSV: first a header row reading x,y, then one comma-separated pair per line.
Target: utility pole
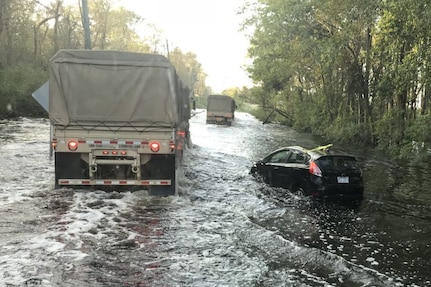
x,y
86,24
167,49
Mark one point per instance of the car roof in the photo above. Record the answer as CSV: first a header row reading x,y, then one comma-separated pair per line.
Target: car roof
x,y
314,153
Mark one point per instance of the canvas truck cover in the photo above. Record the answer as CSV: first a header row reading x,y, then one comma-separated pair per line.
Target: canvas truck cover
x,y
220,103
113,88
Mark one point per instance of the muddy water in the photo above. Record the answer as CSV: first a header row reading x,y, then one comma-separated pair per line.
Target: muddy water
x,y
223,229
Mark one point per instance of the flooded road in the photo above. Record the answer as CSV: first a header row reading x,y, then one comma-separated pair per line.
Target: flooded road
x,y
223,229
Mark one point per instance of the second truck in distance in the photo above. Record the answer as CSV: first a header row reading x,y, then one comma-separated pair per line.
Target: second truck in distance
x,y
220,110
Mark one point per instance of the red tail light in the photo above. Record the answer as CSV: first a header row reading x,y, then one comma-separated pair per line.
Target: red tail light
x,y
171,145
155,146
54,143
314,169
72,145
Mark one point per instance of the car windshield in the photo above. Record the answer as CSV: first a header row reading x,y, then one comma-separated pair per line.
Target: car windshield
x,y
338,164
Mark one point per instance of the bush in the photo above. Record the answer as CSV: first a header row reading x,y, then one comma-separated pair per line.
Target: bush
x,y
17,83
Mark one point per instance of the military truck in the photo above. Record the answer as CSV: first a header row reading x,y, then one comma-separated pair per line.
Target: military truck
x,y
119,120
220,110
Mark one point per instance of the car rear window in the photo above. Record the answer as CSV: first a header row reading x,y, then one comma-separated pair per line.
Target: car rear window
x,y
338,163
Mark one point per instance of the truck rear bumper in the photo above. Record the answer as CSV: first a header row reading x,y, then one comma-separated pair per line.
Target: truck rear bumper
x,y
114,182
219,120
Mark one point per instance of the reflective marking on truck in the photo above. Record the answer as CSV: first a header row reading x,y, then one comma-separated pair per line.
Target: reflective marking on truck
x,y
129,146
167,146
110,143
156,182
96,145
121,143
114,182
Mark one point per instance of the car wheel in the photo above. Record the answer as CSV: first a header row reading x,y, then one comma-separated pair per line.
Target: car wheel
x,y
299,192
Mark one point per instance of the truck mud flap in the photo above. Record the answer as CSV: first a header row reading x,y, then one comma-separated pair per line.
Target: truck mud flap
x,y
68,165
163,167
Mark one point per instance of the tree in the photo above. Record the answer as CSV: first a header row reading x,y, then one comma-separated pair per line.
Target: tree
x,y
312,59
189,70
31,31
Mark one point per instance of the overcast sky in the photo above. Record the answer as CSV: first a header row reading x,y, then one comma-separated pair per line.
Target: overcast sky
x,y
210,29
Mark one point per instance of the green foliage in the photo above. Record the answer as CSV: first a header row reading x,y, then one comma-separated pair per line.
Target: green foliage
x,y
189,70
17,83
201,102
111,28
389,134
242,97
353,71
32,31
344,131
417,141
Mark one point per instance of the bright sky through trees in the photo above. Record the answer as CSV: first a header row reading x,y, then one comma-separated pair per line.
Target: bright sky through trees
x,y
209,29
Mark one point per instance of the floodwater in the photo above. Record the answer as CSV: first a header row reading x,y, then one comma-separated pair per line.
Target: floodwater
x,y
223,228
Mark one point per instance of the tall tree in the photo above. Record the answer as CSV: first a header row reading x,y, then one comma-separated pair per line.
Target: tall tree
x,y
189,70
316,55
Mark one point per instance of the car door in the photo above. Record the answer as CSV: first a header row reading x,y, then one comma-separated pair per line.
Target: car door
x,y
277,168
297,169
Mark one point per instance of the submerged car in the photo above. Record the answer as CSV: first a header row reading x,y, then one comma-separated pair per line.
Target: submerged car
x,y
314,172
